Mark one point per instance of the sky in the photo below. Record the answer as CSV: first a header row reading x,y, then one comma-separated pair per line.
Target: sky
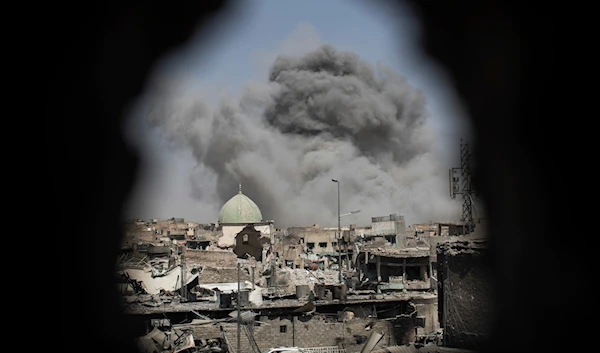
x,y
248,43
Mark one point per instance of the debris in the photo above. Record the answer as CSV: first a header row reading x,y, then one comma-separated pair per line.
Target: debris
x,y
172,341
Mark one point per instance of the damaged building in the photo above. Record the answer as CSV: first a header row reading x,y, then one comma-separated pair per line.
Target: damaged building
x,y
188,283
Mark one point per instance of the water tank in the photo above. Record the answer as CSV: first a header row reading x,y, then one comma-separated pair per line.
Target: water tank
x,y
244,297
224,300
256,297
340,292
320,291
328,295
302,291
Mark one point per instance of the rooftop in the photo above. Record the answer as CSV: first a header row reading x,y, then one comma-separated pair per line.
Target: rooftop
x,y
142,309
388,251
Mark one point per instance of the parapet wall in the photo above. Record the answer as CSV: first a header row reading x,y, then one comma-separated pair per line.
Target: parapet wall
x,y
209,258
311,332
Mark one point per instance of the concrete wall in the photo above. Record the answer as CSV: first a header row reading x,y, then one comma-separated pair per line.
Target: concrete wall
x,y
387,228
437,229
427,228
290,252
428,309
320,236
310,331
228,237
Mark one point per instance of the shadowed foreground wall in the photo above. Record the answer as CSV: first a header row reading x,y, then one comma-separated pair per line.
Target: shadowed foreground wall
x,y
464,294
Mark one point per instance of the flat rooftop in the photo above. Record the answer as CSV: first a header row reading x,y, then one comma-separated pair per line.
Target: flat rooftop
x,y
142,309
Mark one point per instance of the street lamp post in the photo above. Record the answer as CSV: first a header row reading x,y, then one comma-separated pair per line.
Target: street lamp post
x,y
347,252
339,231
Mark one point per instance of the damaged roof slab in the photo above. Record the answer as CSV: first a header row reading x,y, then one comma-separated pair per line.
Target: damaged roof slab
x,y
139,308
398,252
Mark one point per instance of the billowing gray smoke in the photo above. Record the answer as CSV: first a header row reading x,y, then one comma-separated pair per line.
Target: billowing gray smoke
x,y
336,96
324,115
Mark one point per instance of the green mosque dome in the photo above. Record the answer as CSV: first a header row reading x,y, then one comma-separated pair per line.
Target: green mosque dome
x,y
240,209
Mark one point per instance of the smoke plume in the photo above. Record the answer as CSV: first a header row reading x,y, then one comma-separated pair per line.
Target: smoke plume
x,y
323,115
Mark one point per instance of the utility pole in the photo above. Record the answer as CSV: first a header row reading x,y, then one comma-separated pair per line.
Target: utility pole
x,y
339,231
239,316
183,279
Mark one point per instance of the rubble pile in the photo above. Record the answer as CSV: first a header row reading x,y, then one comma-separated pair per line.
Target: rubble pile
x,y
153,300
307,277
176,269
171,341
210,345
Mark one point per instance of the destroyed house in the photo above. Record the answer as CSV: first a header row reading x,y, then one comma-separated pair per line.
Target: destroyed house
x,y
386,286
290,250
197,244
439,229
322,241
390,228
389,269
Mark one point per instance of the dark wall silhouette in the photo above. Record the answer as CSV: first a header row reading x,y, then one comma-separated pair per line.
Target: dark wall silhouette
x,y
509,62
252,246
500,56
99,56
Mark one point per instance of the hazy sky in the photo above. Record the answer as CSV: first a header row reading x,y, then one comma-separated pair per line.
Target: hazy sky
x,y
244,51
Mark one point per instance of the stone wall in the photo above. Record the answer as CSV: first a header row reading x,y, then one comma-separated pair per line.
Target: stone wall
x,y
388,227
217,266
222,275
308,331
211,258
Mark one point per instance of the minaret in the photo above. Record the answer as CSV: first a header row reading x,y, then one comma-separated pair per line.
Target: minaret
x,y
240,186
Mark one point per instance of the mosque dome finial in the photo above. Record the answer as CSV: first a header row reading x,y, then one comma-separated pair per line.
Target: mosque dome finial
x,y
240,209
